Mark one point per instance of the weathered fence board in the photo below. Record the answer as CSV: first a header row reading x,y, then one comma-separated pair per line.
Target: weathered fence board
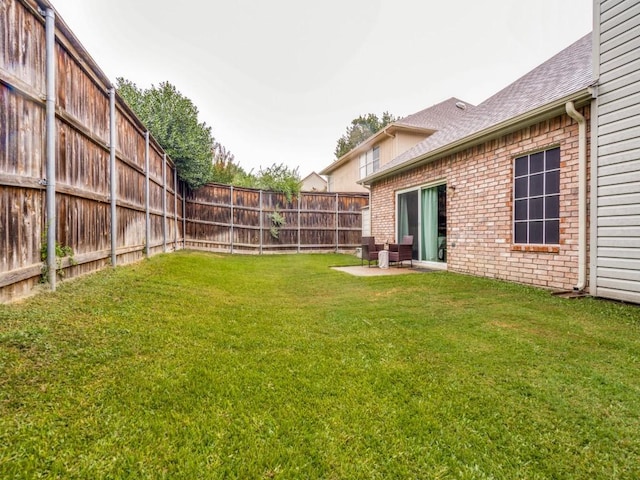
x,y
82,160
153,211
224,218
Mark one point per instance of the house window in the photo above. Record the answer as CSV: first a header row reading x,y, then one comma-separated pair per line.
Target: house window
x,y
536,198
369,162
330,183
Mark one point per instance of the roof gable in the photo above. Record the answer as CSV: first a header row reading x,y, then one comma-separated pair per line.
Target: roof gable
x,y
427,121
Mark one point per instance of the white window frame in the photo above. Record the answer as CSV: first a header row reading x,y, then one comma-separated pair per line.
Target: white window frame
x,y
369,162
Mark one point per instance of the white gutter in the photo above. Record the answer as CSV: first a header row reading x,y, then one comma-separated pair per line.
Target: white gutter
x,y
582,195
501,128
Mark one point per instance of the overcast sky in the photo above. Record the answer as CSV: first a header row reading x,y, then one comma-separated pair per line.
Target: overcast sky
x,y
280,80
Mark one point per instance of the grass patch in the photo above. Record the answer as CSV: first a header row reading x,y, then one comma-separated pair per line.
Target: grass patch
x,y
195,365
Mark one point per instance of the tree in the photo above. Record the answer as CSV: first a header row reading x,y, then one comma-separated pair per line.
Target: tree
x,y
172,119
280,178
224,169
360,129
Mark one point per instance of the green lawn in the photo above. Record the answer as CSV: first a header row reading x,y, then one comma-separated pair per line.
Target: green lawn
x,y
195,365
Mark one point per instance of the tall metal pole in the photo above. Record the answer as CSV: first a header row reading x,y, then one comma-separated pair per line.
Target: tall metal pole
x,y
175,207
164,202
337,222
299,226
261,222
231,230
52,224
147,222
114,177
184,216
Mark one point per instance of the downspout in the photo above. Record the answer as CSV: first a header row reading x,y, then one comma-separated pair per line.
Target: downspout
x,y
52,224
582,196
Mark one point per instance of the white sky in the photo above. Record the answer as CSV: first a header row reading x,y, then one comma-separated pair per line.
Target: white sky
x,y
279,81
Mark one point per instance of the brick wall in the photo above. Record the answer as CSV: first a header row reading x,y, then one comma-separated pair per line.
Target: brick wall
x,y
479,206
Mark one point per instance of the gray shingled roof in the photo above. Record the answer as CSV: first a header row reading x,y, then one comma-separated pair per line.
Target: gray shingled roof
x,y
568,72
437,116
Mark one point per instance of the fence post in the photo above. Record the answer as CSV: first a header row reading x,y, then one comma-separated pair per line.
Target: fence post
x,y
164,202
299,229
175,207
261,222
184,216
52,223
337,223
114,176
146,196
231,230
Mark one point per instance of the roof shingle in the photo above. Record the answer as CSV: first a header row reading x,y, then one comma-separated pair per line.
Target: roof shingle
x,y
568,72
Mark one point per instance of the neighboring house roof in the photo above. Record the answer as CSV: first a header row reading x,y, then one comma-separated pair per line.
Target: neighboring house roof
x,y
545,88
429,120
313,181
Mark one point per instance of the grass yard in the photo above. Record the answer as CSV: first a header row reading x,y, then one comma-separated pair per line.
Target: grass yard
x,y
194,365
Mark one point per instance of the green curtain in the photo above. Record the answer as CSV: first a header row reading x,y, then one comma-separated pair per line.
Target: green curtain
x,y
403,216
430,225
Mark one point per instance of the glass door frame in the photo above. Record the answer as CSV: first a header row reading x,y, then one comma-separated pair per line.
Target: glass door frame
x,y
419,189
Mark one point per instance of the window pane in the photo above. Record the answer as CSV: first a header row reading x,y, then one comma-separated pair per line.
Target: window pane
x,y
553,158
536,185
522,187
537,162
535,232
536,209
552,207
553,182
552,232
363,172
521,210
520,232
522,166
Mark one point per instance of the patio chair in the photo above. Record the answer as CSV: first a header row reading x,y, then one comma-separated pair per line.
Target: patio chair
x,y
399,252
370,250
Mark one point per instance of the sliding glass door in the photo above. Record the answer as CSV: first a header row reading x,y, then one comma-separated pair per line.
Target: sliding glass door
x,y
408,218
423,214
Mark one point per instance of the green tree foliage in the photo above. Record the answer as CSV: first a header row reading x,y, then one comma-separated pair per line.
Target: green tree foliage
x,y
280,178
172,119
360,129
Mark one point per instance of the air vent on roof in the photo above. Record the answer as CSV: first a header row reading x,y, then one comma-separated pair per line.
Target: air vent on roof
x,y
461,105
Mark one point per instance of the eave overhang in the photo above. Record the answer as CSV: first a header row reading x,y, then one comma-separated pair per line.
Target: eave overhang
x,y
388,131
549,110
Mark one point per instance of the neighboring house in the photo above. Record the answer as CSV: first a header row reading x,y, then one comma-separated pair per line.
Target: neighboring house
x,y
313,183
498,193
385,145
615,173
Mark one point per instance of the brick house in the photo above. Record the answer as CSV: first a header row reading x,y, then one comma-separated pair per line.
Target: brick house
x,y
503,191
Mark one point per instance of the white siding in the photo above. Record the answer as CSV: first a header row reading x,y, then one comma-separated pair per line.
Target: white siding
x,y
617,214
366,222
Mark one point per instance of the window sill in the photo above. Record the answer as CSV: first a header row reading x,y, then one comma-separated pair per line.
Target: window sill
x,y
536,248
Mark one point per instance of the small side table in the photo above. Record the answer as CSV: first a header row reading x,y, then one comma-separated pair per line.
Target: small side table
x,y
383,259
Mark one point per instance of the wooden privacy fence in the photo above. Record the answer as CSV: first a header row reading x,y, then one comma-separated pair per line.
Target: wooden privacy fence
x,y
76,165
221,217
79,170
